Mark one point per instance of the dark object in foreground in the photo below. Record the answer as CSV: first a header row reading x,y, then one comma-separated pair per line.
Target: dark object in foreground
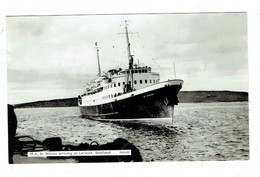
x,y
12,126
55,144
117,144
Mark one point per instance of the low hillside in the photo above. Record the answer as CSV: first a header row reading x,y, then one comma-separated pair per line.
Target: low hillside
x,y
184,97
211,96
50,103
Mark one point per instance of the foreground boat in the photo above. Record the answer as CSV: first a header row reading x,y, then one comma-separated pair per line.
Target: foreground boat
x,y
135,92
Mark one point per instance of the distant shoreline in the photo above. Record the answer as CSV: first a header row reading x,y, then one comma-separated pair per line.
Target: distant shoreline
x,y
183,96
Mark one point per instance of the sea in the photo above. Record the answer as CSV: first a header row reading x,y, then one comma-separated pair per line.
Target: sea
x,y
197,131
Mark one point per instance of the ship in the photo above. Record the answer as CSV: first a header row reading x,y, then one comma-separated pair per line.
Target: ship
x,y
132,93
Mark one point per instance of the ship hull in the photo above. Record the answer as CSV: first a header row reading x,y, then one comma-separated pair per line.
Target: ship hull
x,y
150,104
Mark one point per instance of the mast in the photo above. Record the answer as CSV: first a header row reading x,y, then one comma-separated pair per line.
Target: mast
x,y
130,58
99,70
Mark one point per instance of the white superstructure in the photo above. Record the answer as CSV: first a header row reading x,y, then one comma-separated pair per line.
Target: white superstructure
x,y
118,82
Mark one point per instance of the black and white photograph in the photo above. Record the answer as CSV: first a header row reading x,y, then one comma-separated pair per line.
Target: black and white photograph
x,y
140,87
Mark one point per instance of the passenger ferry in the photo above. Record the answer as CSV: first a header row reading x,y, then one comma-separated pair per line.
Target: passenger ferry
x,y
132,93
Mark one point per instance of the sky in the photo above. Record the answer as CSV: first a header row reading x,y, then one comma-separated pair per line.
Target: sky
x,y
51,57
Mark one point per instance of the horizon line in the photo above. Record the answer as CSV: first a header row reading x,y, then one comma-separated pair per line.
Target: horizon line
x,y
179,92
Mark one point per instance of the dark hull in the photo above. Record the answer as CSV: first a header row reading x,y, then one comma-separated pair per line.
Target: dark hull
x,y
152,104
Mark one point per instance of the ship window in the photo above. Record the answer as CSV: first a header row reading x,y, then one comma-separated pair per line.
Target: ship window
x,y
141,81
142,71
146,81
145,71
111,86
118,84
123,83
154,81
139,71
150,81
114,85
111,96
129,82
135,82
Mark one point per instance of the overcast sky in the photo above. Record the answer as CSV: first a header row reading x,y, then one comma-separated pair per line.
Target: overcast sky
x,y
51,57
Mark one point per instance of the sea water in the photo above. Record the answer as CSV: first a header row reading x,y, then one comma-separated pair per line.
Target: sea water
x,y
197,131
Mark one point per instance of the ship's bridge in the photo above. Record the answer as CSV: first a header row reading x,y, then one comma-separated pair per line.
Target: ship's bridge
x,y
136,69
